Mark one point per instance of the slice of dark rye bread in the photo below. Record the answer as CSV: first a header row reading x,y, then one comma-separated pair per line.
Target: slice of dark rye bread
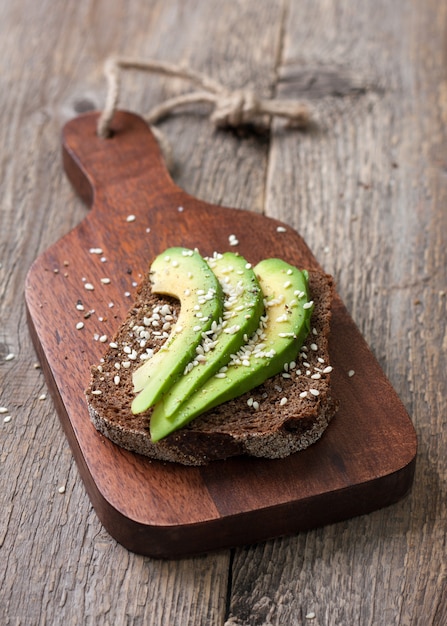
x,y
287,413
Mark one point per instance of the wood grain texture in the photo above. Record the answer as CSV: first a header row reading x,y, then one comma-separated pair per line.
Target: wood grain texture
x,y
367,189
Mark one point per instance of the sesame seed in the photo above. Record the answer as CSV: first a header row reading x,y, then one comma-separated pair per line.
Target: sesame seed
x,y
79,325
43,396
311,615
130,218
89,286
116,380
327,370
351,373
96,392
103,338
314,392
61,489
280,229
283,401
313,346
308,305
3,409
180,209
255,405
10,356
105,281
303,394
7,419
95,251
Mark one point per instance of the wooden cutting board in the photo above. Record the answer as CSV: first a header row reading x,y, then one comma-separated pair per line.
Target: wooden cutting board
x,y
364,461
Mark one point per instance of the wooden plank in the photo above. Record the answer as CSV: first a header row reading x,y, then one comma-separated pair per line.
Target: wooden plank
x,y
367,190
74,570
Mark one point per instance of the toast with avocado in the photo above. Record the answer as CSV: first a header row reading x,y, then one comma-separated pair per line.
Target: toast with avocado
x,y
256,380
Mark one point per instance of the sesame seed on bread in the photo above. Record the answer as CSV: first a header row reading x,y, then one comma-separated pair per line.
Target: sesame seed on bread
x,y
285,414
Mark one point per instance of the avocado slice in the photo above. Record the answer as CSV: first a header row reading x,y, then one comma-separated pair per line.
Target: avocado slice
x,y
184,274
243,307
277,341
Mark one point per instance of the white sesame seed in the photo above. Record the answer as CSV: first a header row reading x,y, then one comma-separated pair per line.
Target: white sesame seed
x,y
103,338
255,405
7,419
43,396
351,373
280,229
79,325
95,251
116,380
327,370
313,346
308,305
3,409
303,394
89,286
314,392
283,401
10,356
96,392
105,281
80,307
311,615
61,489
113,344
130,218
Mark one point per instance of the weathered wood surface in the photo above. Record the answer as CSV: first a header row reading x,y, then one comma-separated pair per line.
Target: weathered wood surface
x,y
367,190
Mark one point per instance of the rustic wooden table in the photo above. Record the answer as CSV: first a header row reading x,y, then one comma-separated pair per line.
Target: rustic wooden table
x,y
367,189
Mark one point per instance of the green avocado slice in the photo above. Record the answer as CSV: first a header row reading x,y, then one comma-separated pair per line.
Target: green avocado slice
x,y
186,275
243,307
277,341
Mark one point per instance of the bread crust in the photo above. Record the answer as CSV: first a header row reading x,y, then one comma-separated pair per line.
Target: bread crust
x,y
284,415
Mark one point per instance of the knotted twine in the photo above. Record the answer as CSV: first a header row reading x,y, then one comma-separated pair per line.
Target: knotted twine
x,y
228,108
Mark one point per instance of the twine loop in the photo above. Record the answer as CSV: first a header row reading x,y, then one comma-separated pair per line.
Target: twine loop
x,y
228,108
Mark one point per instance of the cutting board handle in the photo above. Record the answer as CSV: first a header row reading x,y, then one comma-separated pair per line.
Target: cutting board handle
x,y
95,165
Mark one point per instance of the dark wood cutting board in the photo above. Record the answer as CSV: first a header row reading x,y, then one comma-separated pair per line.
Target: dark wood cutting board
x,y
364,461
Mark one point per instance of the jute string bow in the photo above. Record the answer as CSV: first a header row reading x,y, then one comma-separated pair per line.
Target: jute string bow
x,y
228,108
